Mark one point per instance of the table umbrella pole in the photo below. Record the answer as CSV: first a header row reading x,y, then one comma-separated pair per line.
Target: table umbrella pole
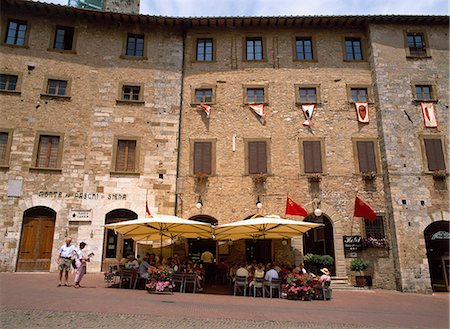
x,y
160,258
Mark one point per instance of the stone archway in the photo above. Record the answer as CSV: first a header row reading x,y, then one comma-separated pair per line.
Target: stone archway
x,y
437,238
36,241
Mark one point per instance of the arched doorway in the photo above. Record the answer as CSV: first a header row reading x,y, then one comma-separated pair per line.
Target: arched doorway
x,y
197,246
320,241
115,247
36,241
437,238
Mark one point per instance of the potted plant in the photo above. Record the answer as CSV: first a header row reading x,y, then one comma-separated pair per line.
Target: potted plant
x,y
357,266
259,178
368,176
160,279
314,177
300,286
200,177
440,174
314,262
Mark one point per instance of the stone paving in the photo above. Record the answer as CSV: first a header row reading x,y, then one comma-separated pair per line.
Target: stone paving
x,y
33,301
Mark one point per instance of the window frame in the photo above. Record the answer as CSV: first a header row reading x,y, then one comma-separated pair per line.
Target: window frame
x,y
444,145
433,89
302,154
377,155
263,50
265,89
203,87
382,227
192,142
18,89
213,54
7,159
247,158
425,40
45,93
5,33
59,157
297,87
313,47
125,46
121,100
363,47
51,46
137,169
367,87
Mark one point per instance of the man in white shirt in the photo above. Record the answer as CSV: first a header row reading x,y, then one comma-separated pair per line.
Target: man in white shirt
x,y
271,274
65,260
132,262
242,271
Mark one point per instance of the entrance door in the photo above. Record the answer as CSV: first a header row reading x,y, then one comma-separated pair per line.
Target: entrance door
x,y
437,239
259,250
36,240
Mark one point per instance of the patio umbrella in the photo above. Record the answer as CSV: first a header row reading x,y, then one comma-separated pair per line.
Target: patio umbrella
x,y
162,226
267,227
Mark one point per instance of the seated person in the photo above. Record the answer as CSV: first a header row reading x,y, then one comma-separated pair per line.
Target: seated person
x,y
271,274
325,276
259,274
132,262
143,268
242,271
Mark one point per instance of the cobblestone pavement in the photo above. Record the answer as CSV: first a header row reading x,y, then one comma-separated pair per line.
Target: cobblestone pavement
x,y
30,300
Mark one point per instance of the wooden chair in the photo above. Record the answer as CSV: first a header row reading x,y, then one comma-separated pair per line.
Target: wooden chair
x,y
240,281
128,275
259,284
190,279
275,284
178,279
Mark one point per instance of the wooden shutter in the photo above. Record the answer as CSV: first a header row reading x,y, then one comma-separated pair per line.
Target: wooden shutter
x,y
47,155
257,157
126,155
435,155
203,157
3,144
366,156
312,156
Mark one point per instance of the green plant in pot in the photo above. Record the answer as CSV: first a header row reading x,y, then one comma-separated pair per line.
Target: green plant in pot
x,y
359,265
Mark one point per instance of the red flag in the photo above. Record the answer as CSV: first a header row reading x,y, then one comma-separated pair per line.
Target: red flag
x,y
293,208
362,209
147,211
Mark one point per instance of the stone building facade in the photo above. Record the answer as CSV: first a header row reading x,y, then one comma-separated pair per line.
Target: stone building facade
x,y
204,167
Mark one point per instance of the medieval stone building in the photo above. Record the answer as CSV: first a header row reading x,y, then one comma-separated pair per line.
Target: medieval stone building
x,y
218,120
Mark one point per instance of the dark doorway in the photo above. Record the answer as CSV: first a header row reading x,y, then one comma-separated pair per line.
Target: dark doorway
x,y
437,238
36,240
198,246
320,240
259,250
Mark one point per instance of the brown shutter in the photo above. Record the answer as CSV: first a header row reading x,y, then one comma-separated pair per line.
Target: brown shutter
x,y
206,161
262,157
435,155
312,157
366,156
253,157
202,157
131,156
3,143
47,154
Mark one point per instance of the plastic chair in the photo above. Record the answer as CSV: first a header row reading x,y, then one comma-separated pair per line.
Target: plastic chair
x,y
190,278
272,285
178,278
240,281
259,284
326,290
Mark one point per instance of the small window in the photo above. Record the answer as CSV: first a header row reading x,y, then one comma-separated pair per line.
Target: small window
x,y
366,156
16,33
126,156
204,50
135,45
254,49
434,153
203,158
5,146
353,49
312,157
424,92
203,96
374,229
255,95
56,87
307,95
8,82
63,38
47,153
416,44
131,93
303,48
257,157
358,95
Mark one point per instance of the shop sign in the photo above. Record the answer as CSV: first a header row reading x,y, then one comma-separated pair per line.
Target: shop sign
x,y
80,215
352,242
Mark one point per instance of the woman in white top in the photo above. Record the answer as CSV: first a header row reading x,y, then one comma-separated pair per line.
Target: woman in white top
x,y
80,262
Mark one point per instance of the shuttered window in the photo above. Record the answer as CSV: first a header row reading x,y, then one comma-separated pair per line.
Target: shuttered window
x,y
203,158
257,157
3,148
435,154
126,155
374,229
47,153
312,157
366,156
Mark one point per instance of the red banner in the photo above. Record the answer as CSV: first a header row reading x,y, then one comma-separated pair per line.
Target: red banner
x,y
362,209
429,115
293,208
362,110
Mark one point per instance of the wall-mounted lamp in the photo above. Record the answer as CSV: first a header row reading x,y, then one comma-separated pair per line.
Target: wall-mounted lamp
x,y
317,210
199,204
258,203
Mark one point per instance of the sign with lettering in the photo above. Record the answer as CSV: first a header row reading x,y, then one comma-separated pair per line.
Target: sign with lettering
x,y
82,195
80,215
352,242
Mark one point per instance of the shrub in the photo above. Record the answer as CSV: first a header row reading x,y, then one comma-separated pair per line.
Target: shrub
x,y
358,265
322,260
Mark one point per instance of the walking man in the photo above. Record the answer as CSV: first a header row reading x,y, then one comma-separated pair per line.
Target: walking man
x,y
65,260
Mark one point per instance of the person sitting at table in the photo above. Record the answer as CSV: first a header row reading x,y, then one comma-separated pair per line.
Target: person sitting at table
x,y
198,275
242,271
259,274
325,276
143,268
132,262
271,274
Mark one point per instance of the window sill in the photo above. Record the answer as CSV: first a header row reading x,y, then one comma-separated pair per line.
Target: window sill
x,y
124,173
418,101
204,62
204,103
46,170
257,103
305,60
11,92
15,46
136,58
353,103
254,60
129,102
355,60
56,97
4,167
306,103
417,57
62,51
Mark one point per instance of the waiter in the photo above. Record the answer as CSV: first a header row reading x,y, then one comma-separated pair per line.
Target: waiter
x,y
207,259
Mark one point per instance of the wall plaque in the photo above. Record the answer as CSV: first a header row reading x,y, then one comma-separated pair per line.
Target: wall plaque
x,y
80,215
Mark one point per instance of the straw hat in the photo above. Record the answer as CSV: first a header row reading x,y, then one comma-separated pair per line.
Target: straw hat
x,y
325,271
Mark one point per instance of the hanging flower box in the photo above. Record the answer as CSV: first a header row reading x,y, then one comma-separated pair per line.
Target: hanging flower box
x,y
368,176
201,177
259,178
315,177
440,174
374,243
